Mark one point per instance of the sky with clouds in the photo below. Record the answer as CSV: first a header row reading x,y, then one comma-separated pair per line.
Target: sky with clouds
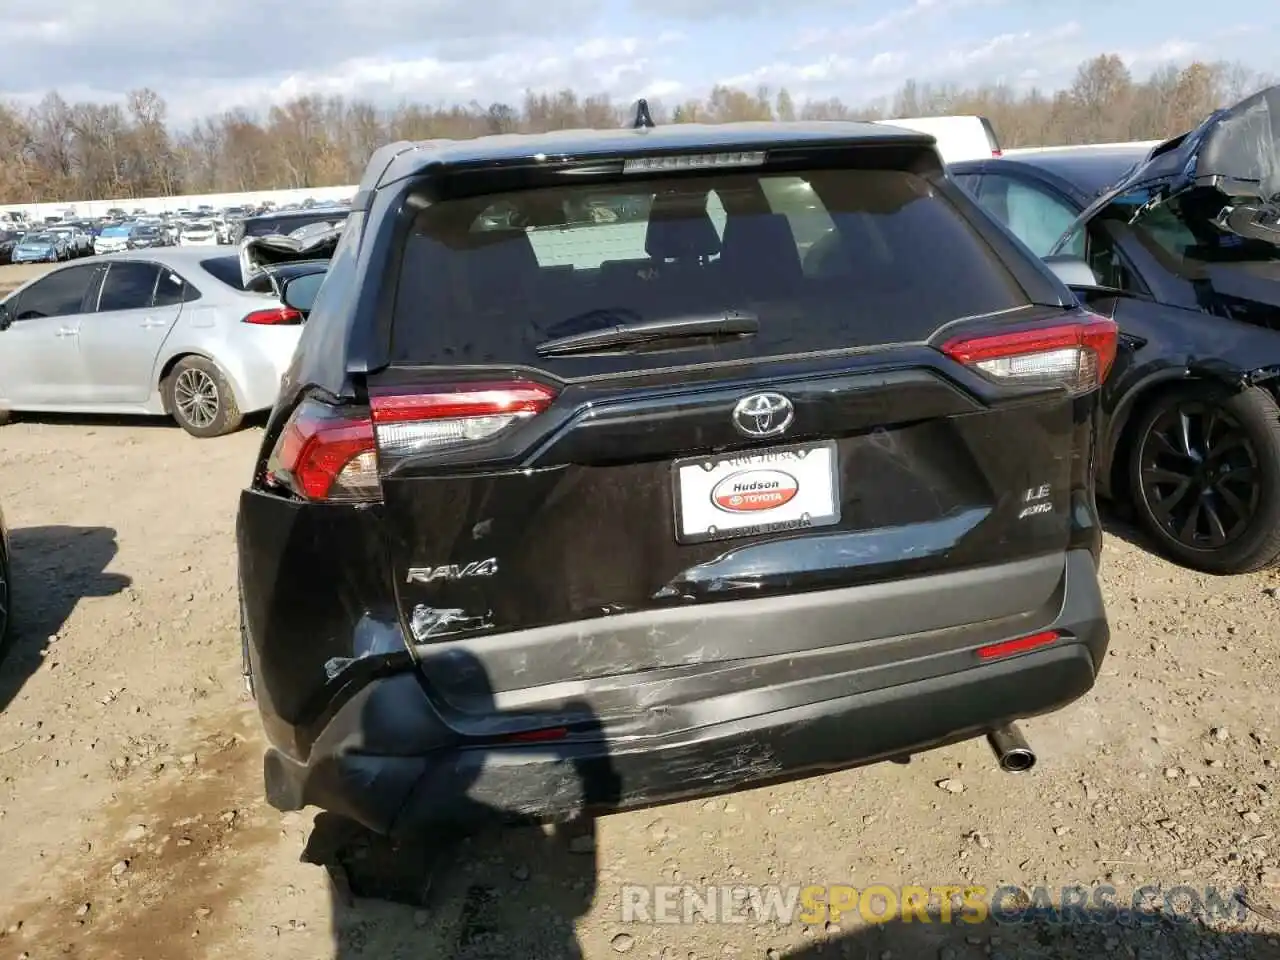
x,y
206,57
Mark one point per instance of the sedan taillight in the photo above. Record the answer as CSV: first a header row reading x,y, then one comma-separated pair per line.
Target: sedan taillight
x,y
275,317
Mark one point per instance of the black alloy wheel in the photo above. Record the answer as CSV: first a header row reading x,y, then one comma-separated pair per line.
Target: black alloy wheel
x,y
1205,477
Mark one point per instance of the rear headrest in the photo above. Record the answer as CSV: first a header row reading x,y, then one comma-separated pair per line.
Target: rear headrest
x,y
680,228
504,250
501,270
762,245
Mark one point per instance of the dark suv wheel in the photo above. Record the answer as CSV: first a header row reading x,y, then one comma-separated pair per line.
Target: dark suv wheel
x,y
1204,474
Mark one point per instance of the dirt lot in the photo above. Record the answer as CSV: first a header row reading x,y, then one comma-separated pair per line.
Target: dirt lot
x,y
132,827
12,275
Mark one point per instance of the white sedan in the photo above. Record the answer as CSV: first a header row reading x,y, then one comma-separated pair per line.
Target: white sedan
x,y
200,233
169,332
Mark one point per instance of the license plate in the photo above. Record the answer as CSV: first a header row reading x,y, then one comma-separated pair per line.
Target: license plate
x,y
773,490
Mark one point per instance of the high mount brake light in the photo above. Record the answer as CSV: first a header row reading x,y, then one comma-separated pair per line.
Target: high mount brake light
x,y
1076,355
702,161
328,453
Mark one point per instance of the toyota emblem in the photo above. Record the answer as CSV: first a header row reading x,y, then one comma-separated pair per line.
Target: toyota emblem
x,y
763,415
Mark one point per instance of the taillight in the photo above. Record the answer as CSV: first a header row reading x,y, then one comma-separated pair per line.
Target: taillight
x,y
328,453
275,317
454,415
1076,355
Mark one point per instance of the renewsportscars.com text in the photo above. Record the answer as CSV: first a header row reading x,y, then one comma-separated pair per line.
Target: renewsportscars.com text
x,y
944,903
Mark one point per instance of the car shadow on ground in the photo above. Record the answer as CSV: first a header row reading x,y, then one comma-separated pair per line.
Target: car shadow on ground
x,y
1085,935
52,569
1118,521
493,883
109,420
496,894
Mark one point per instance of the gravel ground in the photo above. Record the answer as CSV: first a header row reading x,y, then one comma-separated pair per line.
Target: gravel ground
x,y
132,823
13,275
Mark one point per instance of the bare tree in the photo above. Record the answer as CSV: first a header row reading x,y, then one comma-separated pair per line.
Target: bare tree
x,y
62,151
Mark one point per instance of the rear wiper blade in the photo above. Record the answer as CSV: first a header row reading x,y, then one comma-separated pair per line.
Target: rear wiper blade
x,y
734,323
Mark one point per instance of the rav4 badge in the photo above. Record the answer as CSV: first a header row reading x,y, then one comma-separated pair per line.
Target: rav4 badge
x,y
453,571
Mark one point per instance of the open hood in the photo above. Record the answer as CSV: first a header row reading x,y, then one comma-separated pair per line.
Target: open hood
x,y
1236,150
315,241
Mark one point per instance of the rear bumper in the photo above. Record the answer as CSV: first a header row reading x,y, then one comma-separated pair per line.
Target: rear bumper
x,y
259,362
387,759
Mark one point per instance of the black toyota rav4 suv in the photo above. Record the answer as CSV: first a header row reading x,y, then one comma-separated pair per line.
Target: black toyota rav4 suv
x,y
705,456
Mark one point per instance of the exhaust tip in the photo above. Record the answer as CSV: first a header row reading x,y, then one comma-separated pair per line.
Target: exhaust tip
x,y
1012,751
1017,761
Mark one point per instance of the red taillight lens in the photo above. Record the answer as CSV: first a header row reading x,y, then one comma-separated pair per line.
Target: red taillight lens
x,y
332,453
326,453
997,152
447,417
1076,355
275,317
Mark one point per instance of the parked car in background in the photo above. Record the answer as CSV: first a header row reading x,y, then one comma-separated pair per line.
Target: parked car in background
x,y
164,332
285,222
112,239
1180,246
41,247
958,138
276,279
198,233
823,550
1040,195
74,239
8,240
143,236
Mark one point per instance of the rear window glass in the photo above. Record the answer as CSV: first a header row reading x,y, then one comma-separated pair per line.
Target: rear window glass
x,y
827,259
172,290
225,269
